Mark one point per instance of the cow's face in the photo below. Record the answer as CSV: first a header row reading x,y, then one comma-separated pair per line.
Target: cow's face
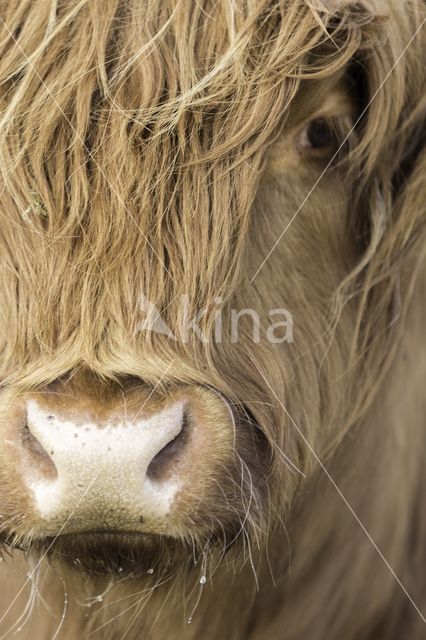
x,y
183,281
113,468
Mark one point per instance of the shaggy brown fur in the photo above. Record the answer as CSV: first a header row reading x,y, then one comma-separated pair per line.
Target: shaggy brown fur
x,y
155,148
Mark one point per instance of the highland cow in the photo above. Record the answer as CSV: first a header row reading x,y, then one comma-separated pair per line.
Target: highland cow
x,y
212,407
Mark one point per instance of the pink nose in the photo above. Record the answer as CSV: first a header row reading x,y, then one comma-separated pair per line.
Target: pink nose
x,y
114,473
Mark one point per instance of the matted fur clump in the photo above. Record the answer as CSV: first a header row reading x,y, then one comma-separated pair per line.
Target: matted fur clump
x,y
163,151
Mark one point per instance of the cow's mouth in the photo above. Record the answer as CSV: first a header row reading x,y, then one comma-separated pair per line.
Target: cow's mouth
x,y
119,553
123,553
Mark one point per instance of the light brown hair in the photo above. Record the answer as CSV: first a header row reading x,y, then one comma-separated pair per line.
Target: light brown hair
x,y
135,154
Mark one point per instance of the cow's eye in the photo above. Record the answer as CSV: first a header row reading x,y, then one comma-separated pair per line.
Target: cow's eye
x,y
317,136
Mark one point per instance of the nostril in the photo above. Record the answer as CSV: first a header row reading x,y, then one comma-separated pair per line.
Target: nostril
x,y
169,456
37,454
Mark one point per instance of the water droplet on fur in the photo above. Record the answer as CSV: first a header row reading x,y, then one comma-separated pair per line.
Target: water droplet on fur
x,y
150,571
203,580
189,620
120,569
77,561
99,598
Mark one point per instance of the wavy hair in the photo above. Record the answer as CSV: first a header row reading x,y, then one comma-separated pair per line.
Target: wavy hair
x,y
133,143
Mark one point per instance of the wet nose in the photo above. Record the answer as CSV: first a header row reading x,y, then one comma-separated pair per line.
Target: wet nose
x,y
111,473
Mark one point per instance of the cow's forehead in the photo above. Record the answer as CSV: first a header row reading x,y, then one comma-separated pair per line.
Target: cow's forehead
x,y
140,149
